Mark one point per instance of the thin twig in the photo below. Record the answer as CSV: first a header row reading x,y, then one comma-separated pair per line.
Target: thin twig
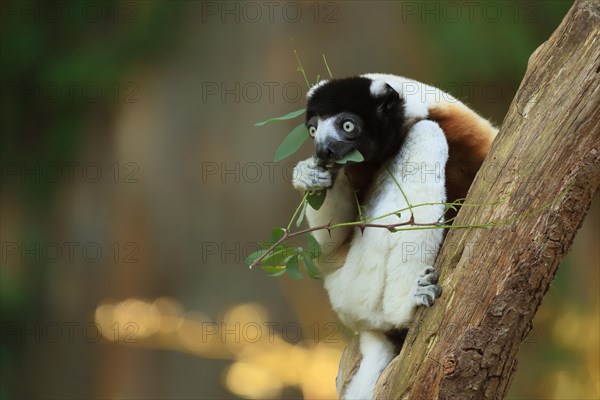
x,y
300,67
358,206
327,66
297,211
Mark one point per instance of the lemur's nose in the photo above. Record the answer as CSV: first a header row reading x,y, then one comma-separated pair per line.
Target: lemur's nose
x,y
324,151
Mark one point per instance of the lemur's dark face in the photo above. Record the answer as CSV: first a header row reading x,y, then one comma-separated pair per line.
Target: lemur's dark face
x,y
355,113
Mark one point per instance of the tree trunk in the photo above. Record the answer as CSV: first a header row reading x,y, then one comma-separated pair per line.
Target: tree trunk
x,y
544,168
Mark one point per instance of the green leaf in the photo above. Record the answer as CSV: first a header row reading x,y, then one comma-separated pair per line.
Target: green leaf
x,y
353,156
277,234
291,115
316,198
310,266
274,271
292,142
254,256
301,216
313,246
292,268
279,256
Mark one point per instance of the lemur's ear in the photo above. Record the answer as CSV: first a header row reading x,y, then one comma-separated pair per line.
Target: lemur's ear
x,y
389,99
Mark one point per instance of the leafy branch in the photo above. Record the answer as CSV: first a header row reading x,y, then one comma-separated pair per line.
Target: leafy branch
x,y
278,258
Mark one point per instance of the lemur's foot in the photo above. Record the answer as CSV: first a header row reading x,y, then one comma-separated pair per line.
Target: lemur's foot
x,y
309,175
427,289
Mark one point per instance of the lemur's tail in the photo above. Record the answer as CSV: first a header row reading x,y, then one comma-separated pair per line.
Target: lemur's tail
x,y
377,350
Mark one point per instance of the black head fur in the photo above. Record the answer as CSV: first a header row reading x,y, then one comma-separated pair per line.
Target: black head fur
x,y
383,114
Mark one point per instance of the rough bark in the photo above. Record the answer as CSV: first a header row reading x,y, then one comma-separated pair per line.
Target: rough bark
x,y
545,168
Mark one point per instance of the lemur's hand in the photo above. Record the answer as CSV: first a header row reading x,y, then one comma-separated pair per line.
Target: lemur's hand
x,y
311,175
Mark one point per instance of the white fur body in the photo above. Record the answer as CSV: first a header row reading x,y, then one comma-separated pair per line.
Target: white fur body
x,y
375,288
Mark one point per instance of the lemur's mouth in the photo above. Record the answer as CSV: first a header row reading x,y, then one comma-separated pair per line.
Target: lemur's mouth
x,y
329,164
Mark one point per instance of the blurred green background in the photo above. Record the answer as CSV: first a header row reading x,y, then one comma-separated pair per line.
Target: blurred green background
x,y
134,183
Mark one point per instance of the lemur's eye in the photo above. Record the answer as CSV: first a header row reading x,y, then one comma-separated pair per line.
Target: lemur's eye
x,y
348,126
312,131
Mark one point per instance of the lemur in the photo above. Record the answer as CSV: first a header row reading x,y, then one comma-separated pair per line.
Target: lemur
x,y
420,145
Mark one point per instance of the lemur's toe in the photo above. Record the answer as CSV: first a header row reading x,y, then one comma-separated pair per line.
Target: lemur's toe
x,y
428,277
426,295
427,288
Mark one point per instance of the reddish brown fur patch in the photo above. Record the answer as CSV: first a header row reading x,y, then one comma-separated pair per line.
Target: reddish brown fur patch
x,y
469,139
